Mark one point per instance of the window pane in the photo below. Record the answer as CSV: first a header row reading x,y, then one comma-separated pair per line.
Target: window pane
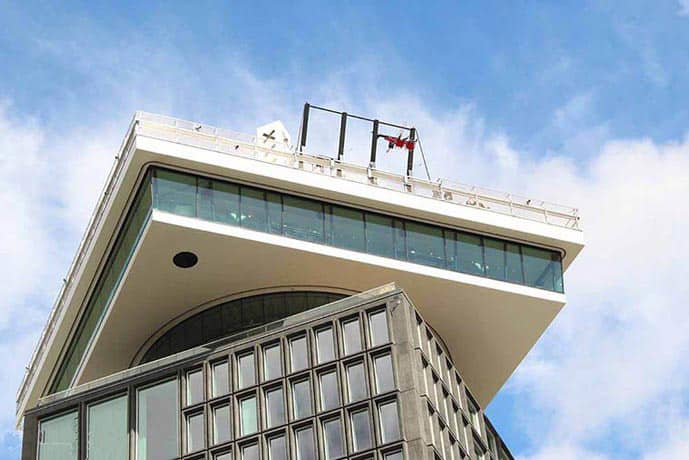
x,y
306,450
325,345
352,336
302,218
275,407
494,253
157,422
513,264
332,437
250,452
537,267
220,383
330,397
394,456
379,235
348,228
389,422
356,382
223,456
58,438
194,387
108,432
378,328
361,430
277,448
301,399
195,439
383,373
221,424
274,202
425,244
253,208
175,192
218,201
247,374
469,254
248,421
272,362
299,355
450,250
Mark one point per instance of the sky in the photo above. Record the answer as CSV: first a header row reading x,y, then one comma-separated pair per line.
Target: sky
x,y
578,103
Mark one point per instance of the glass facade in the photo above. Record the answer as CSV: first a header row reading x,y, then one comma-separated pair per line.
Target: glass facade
x,y
58,437
108,432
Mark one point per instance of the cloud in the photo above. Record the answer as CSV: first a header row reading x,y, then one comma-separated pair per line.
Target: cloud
x,y
683,7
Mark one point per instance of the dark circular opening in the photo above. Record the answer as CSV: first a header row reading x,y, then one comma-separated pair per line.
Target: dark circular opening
x,y
185,259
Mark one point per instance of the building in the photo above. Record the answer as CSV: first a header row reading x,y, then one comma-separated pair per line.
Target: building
x,y
235,299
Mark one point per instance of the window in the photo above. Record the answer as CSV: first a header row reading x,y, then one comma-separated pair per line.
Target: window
x,y
388,420
361,430
347,228
221,424
194,387
351,334
425,244
108,432
301,399
247,372
382,369
299,353
325,345
378,326
224,455
302,219
175,192
275,407
218,201
469,254
220,380
253,208
542,268
333,439
194,433
330,394
494,254
58,437
306,449
475,415
379,235
250,451
513,263
272,362
277,448
356,381
157,422
248,417
396,455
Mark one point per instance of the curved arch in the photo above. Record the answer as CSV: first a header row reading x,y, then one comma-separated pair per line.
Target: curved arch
x,y
231,314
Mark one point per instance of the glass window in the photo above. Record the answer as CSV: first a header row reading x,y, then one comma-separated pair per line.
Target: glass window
x,y
248,416
347,228
275,407
221,424
330,394
397,455
379,235
272,362
388,421
541,268
277,448
356,381
157,422
449,237
361,430
195,440
301,399
220,380
351,334
494,254
194,387
219,201
378,328
274,202
225,455
513,264
175,192
254,212
306,449
299,353
325,345
108,432
302,219
333,438
59,437
250,451
425,244
469,254
247,372
382,369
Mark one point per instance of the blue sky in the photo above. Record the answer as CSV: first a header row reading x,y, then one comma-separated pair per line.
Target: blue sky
x,y
582,103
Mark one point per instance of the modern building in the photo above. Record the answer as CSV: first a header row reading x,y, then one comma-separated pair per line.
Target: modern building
x,y
236,298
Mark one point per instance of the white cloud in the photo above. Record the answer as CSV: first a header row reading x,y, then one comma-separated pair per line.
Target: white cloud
x,y
683,7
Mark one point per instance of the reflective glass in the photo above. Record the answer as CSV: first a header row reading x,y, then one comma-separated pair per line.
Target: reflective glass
x,y
220,380
378,328
469,254
347,228
306,449
221,424
397,455
425,244
361,430
299,354
494,256
250,452
59,438
356,382
325,345
302,219
301,399
223,456
277,448
108,432
275,407
194,387
274,203
272,362
382,368
247,372
379,235
389,422
351,333
539,267
195,440
157,422
175,192
330,394
513,264
254,211
248,416
332,438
